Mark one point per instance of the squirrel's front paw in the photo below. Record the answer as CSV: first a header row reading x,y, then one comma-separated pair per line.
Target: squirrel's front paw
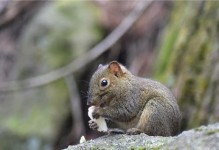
x,y
93,125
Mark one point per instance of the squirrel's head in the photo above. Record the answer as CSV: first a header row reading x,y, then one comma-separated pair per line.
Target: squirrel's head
x,y
106,83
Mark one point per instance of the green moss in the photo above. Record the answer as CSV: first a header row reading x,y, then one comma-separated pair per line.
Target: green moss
x,y
157,148
138,148
146,148
210,132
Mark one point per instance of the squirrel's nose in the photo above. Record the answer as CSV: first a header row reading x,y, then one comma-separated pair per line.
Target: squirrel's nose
x,y
90,99
89,102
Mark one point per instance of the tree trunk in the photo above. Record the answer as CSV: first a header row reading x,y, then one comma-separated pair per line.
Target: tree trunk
x,y
189,62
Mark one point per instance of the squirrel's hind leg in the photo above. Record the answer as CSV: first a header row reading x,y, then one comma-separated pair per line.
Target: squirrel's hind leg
x,y
115,131
113,128
153,119
134,131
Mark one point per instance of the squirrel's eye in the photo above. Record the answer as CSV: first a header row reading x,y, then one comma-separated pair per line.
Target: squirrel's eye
x,y
104,83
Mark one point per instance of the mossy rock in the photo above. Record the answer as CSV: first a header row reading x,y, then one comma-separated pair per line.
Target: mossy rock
x,y
204,137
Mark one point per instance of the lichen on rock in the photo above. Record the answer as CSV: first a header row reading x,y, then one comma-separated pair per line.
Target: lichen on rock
x,y
204,137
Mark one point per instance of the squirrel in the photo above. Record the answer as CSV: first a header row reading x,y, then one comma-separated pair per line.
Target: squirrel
x,y
131,104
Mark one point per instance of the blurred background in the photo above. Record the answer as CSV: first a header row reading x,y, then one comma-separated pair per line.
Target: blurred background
x,y
50,49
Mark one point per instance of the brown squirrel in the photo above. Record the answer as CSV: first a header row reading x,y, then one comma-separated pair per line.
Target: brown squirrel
x,y
131,104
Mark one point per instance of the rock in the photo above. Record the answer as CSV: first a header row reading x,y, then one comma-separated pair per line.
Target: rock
x,y
204,137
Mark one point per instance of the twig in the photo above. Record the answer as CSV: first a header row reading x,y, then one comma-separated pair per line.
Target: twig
x,y
76,111
80,62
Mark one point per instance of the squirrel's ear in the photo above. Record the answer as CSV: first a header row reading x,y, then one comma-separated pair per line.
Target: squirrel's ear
x,y
115,68
100,65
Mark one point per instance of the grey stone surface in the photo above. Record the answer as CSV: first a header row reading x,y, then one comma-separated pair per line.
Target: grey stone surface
x,y
204,137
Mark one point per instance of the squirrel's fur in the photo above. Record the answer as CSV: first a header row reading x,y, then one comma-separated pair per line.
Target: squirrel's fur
x,y
133,104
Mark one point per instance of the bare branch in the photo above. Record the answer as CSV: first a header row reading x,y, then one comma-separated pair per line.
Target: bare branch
x,y
82,61
76,110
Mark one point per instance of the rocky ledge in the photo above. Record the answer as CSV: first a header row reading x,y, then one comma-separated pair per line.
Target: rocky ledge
x,y
204,137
